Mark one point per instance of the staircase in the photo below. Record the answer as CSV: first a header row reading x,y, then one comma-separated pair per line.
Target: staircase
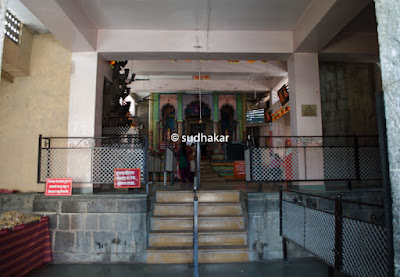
x,y
208,174
224,169
222,230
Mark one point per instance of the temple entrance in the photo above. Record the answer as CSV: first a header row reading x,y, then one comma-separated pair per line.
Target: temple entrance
x,y
193,125
227,121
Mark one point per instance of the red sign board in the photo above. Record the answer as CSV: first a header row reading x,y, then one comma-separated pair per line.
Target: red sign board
x,y
58,186
239,170
127,178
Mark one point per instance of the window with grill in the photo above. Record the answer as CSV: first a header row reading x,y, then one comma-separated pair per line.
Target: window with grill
x,y
12,27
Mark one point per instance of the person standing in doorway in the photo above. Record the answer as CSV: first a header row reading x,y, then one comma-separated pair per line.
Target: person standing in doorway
x,y
184,164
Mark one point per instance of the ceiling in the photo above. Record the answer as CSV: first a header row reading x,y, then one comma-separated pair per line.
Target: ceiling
x,y
26,17
278,15
164,40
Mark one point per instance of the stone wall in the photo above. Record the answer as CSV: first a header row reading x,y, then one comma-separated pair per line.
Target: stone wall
x,y
96,228
388,17
19,202
348,98
264,241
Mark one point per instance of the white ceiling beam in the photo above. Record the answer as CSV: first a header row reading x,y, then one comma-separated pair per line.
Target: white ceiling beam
x,y
352,47
193,85
168,67
322,21
195,43
354,43
67,21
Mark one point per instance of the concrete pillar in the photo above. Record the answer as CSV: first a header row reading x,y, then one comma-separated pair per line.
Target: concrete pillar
x,y
155,117
81,117
304,87
180,128
304,90
180,114
388,17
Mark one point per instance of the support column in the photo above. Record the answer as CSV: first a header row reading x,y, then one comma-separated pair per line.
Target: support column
x,y
217,147
180,114
304,90
388,17
239,115
151,122
156,98
82,116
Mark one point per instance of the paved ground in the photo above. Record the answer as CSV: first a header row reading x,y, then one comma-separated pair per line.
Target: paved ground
x,y
302,268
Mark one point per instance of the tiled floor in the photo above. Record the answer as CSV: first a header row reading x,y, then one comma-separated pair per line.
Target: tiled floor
x,y
300,268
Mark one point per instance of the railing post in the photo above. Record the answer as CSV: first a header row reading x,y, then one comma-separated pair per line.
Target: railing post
x,y
280,210
305,161
39,158
146,163
48,158
356,158
284,244
251,164
338,233
198,177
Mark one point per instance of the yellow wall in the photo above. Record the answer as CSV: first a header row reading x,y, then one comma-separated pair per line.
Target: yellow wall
x,y
33,105
16,57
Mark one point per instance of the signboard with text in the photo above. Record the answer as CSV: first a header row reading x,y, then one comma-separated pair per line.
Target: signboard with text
x,y
239,170
58,186
127,178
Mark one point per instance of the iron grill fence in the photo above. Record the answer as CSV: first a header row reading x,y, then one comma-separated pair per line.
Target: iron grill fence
x,y
282,159
347,235
91,159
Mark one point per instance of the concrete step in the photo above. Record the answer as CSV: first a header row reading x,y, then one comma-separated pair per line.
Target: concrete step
x,y
203,196
231,164
212,179
181,239
205,223
206,255
205,209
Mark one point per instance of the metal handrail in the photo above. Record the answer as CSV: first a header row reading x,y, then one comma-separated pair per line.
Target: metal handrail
x,y
195,235
47,144
338,233
196,216
333,199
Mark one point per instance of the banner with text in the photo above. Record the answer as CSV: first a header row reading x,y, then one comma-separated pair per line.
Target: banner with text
x,y
58,186
127,178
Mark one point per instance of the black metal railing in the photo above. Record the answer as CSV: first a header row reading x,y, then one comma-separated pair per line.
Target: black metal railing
x,y
284,159
348,235
155,167
91,159
195,235
196,187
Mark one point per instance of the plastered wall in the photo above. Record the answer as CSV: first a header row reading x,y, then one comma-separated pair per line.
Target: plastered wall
x,y
33,105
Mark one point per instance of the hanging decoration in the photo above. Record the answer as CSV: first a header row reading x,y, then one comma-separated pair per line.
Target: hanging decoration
x,y
202,77
283,94
279,113
112,63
